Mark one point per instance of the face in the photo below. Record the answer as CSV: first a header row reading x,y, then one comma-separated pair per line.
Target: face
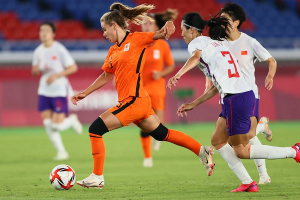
x,y
46,33
233,24
186,34
109,31
149,26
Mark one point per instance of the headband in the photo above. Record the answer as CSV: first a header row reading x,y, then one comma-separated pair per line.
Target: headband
x,y
192,27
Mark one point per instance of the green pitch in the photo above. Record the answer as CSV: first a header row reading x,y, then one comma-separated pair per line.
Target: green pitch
x,y
26,162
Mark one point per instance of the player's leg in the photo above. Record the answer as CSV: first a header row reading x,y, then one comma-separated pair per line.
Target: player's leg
x,y
159,132
60,121
161,115
263,124
260,163
219,141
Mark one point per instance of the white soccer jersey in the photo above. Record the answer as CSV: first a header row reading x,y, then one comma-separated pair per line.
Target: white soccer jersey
x,y
247,50
219,65
52,60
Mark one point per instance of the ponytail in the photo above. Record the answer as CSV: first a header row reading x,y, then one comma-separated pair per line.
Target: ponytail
x,y
120,13
218,28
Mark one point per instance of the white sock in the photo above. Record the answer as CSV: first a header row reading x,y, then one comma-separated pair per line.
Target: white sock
x,y
99,176
66,124
260,163
270,152
235,164
260,128
54,136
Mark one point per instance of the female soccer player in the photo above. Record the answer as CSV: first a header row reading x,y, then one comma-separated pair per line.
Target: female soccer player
x,y
157,55
247,50
218,64
55,62
125,62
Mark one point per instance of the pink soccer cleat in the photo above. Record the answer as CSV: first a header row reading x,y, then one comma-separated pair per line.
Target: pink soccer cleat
x,y
297,149
252,187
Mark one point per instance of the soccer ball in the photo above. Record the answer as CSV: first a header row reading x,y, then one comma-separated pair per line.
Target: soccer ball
x,y
62,177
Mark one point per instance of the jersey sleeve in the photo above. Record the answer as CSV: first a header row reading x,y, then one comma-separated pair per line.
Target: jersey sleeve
x,y
66,57
144,38
107,63
35,59
195,45
168,58
260,52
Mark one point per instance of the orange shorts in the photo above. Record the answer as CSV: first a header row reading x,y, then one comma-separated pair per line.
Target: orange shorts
x,y
158,102
133,109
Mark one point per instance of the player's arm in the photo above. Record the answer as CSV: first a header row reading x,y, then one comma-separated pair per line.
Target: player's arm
x,y
159,74
211,92
35,71
207,84
165,32
272,71
190,64
68,71
102,80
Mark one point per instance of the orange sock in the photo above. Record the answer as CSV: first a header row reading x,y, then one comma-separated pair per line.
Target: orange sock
x,y
146,144
182,139
98,151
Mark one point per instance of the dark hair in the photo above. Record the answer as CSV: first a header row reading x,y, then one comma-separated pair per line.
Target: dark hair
x,y
162,18
235,12
218,26
51,24
120,13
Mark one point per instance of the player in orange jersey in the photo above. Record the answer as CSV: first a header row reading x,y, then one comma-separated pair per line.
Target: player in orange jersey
x,y
157,55
125,62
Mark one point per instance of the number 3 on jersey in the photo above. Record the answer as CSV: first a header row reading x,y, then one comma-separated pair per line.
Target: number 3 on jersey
x,y
231,61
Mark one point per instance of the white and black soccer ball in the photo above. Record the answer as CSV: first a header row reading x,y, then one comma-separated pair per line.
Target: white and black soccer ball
x,y
62,177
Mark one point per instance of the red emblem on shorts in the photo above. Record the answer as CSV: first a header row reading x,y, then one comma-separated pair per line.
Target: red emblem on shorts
x,y
244,52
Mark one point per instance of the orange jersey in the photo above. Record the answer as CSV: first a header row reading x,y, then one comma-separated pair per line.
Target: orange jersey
x,y
126,62
157,55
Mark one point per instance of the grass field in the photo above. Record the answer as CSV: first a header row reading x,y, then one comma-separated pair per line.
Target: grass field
x,y
26,162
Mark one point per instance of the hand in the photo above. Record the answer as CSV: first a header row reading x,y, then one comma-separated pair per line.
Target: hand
x,y
156,75
168,29
35,70
78,97
52,78
269,82
173,81
184,108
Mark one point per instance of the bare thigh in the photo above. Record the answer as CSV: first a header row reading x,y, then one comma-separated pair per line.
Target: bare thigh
x,y
150,124
253,127
241,145
111,121
58,118
46,114
220,136
161,115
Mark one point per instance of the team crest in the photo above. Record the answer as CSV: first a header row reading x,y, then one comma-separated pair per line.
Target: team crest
x,y
126,48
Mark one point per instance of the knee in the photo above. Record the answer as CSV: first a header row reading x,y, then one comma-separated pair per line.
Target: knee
x,y
98,127
242,153
160,133
217,143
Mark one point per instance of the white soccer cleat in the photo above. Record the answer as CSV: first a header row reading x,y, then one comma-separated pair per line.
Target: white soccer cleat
x,y
92,181
156,144
77,126
61,156
148,162
266,132
264,180
206,158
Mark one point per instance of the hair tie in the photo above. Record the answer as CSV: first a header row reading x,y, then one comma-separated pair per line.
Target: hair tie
x,y
115,10
193,27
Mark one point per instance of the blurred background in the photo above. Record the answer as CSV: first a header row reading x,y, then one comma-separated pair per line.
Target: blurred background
x,y
274,23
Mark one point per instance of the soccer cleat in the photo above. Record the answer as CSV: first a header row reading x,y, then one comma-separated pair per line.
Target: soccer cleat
x,y
77,126
252,187
156,144
266,132
148,162
92,181
297,149
206,158
61,156
264,180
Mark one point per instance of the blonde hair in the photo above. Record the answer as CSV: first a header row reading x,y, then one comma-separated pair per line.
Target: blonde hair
x,y
120,13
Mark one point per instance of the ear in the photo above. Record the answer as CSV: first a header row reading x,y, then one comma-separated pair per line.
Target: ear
x,y
236,23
